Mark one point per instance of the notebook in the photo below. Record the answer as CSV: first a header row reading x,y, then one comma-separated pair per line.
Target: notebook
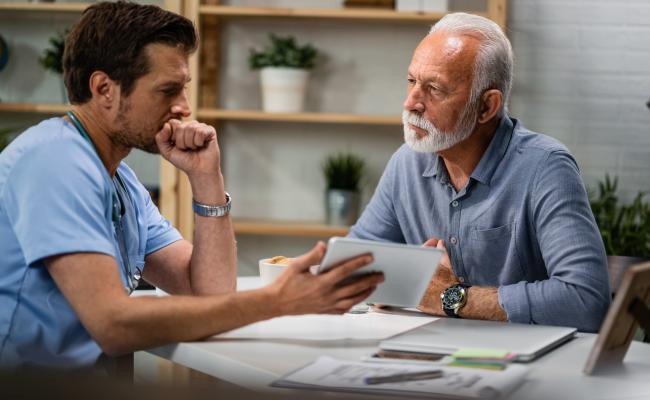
x,y
447,335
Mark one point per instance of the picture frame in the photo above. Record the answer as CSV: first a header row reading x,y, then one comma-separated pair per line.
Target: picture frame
x,y
628,311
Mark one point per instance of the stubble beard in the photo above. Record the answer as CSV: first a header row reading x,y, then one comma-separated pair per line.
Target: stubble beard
x,y
435,139
133,135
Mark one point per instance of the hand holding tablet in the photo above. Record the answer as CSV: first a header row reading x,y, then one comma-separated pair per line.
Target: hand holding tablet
x,y
407,268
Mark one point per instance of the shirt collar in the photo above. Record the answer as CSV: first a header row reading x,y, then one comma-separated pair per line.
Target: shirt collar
x,y
489,162
494,153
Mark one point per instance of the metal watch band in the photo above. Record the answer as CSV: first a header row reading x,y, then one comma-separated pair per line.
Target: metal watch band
x,y
205,210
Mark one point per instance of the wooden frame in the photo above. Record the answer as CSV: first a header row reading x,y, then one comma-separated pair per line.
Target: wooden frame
x,y
628,310
175,191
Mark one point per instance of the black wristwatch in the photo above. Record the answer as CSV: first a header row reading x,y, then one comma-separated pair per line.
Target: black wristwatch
x,y
453,299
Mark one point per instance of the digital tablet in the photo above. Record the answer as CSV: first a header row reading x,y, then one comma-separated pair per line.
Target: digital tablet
x,y
407,268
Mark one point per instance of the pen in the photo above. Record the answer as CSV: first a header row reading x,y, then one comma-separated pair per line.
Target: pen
x,y
410,376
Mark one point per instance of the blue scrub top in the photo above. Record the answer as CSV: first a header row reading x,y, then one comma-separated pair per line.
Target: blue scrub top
x,y
56,198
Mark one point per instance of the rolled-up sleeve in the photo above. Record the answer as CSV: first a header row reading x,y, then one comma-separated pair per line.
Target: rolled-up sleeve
x,y
572,250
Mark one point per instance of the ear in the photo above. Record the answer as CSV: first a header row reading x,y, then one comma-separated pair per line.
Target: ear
x,y
491,101
105,92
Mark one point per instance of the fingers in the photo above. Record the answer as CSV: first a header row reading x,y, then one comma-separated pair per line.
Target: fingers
x,y
191,135
346,304
163,139
306,260
344,269
432,242
359,285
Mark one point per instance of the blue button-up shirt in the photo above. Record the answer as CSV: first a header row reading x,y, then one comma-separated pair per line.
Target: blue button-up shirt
x,y
522,224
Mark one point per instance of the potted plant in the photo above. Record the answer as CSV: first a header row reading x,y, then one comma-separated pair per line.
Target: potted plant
x,y
52,59
343,174
284,71
625,229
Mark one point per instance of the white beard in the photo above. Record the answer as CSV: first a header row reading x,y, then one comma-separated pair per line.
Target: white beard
x,y
436,140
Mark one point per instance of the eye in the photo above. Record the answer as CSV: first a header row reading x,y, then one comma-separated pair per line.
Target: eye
x,y
410,81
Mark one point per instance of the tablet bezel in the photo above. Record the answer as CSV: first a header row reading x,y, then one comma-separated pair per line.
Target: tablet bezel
x,y
343,248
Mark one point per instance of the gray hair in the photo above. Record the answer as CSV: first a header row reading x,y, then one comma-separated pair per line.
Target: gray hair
x,y
494,61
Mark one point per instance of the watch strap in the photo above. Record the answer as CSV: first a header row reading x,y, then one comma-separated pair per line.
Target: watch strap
x,y
206,210
453,312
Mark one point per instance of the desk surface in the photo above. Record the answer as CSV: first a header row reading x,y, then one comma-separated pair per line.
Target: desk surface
x,y
256,363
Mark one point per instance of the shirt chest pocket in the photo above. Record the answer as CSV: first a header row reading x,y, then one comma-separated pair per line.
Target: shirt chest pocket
x,y
492,257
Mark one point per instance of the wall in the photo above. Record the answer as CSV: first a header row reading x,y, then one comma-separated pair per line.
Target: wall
x,y
582,75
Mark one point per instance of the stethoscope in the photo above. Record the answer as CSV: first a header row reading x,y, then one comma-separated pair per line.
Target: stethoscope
x,y
118,210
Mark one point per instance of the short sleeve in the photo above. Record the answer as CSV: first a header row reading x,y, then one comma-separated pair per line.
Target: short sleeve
x,y
160,232
59,204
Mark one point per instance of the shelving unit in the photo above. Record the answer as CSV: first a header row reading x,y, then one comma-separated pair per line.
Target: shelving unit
x,y
34,108
287,228
48,7
209,15
175,191
327,118
325,13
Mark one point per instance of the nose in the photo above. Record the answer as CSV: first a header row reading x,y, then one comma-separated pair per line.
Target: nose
x,y
181,105
414,101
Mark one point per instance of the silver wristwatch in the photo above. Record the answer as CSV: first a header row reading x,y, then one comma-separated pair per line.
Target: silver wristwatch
x,y
205,210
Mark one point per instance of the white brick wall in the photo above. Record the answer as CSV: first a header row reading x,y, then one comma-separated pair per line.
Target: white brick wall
x,y
583,76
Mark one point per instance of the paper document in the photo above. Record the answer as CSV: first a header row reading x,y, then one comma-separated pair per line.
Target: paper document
x,y
368,326
327,373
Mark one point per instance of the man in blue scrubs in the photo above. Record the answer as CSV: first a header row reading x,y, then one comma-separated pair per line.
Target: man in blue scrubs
x,y
78,230
508,203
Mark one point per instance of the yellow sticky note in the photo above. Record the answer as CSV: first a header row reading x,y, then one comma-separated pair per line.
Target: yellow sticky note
x,y
477,352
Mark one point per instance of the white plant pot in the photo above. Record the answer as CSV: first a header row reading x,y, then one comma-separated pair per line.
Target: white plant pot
x,y
283,89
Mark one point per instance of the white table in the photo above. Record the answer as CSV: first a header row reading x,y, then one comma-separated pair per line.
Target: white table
x,y
254,364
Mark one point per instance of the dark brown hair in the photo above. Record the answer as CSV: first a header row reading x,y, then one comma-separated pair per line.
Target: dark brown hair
x,y
111,37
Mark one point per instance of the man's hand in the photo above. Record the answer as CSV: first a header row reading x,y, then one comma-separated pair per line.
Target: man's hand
x,y
442,279
298,291
190,146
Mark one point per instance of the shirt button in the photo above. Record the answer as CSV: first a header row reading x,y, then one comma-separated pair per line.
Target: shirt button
x,y
454,203
453,240
461,279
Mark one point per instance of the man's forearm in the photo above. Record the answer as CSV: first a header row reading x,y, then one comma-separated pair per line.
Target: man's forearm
x,y
213,268
145,322
483,303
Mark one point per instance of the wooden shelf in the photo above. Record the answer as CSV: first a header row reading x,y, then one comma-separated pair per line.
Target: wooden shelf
x,y
242,115
287,228
327,13
62,7
35,108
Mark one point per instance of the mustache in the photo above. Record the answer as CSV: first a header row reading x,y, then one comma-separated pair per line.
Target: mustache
x,y
416,119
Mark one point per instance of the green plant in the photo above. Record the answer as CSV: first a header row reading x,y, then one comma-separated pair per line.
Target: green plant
x,y
284,52
625,229
5,138
52,58
343,171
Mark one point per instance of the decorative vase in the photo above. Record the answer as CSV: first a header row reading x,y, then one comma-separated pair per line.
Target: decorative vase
x,y
283,89
341,207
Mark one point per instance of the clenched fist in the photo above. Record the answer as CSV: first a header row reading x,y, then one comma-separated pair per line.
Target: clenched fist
x,y
190,146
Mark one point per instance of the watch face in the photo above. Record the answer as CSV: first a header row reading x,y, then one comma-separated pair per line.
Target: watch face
x,y
453,296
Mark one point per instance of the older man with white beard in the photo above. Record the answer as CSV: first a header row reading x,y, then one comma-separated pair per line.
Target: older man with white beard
x,y
508,203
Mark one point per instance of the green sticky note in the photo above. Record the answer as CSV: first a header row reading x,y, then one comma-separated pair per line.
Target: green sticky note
x,y
477,352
